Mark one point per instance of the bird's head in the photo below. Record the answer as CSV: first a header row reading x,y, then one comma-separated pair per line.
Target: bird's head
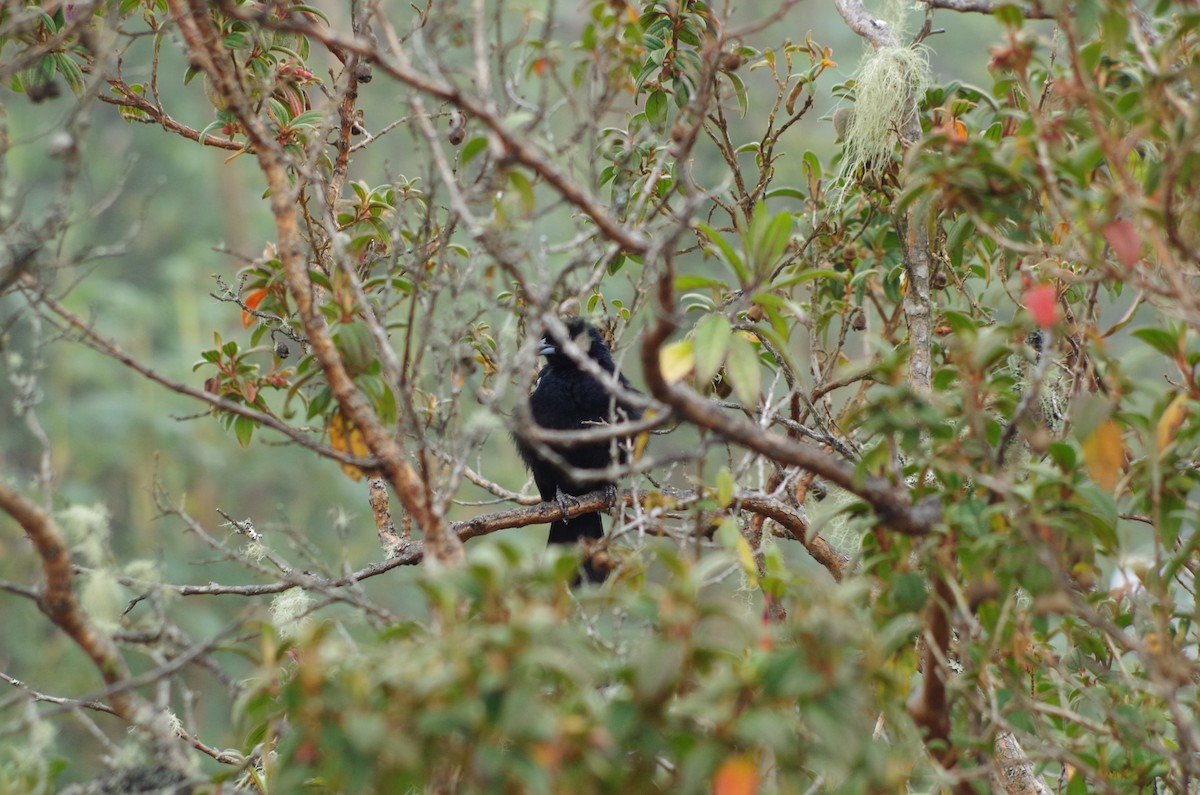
x,y
585,336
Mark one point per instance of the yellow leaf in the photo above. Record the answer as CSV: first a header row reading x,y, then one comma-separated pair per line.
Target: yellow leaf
x,y
642,439
1104,454
345,437
1171,419
746,556
676,361
737,775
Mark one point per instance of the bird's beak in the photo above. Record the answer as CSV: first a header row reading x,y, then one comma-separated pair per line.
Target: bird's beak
x,y
547,348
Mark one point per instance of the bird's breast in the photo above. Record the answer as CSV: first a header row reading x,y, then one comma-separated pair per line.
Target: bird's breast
x,y
564,402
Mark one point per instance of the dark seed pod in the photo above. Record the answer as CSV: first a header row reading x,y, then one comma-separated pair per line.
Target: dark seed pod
x,y
458,128
40,92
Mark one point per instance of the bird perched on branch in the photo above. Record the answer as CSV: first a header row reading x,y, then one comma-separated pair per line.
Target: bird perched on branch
x,y
567,398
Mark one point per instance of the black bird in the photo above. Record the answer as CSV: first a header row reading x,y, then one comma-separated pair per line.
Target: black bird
x,y
565,398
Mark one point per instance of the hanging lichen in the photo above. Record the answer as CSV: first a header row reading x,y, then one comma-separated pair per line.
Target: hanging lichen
x,y
888,81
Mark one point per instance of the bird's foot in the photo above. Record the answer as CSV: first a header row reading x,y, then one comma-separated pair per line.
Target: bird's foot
x,y
565,503
612,494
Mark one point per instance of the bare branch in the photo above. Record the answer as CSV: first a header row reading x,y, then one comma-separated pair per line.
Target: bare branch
x,y
1033,10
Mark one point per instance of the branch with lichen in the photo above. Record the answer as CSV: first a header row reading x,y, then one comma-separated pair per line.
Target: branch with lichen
x,y
56,599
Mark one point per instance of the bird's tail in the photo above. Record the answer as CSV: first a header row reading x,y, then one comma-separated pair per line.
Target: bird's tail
x,y
570,531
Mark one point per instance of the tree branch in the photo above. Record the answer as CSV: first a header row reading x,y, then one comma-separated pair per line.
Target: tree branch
x,y
410,552
513,146
57,599
205,47
1033,10
889,502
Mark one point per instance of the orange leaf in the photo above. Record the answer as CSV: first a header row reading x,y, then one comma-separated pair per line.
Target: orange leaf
x,y
1125,240
1060,232
1171,419
1104,454
737,775
253,299
1042,302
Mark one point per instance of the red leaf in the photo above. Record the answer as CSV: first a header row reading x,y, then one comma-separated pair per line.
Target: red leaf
x,y
1042,302
1125,240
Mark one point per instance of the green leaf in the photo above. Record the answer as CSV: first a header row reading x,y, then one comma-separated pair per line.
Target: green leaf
x,y
319,403
356,345
739,91
72,74
472,148
524,189
682,91
767,239
727,533
908,592
243,428
1064,455
1114,32
688,282
1010,16
724,488
1165,342
713,335
741,365
656,108
310,118
785,193
726,252
957,237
